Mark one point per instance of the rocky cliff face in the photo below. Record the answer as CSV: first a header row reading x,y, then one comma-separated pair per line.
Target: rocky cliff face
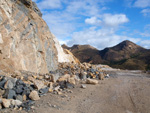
x,y
25,40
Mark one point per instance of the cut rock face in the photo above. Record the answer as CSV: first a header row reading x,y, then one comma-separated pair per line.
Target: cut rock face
x,y
25,40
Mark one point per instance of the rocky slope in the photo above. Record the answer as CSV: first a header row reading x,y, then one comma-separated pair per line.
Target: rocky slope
x,y
25,40
125,55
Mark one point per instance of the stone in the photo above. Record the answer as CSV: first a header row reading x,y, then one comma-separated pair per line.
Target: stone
x,y
2,82
19,97
9,94
50,90
63,78
39,84
18,89
30,78
8,85
91,81
34,95
107,76
83,86
24,98
16,102
101,76
1,92
27,104
6,103
43,91
0,106
57,88
71,80
69,85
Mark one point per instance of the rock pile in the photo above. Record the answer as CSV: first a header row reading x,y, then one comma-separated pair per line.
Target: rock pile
x,y
21,90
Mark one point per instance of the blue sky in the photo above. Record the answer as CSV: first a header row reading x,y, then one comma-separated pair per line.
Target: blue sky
x,y
100,23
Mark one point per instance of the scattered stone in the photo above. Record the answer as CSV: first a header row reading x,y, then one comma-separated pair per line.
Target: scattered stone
x,y
59,93
19,97
63,78
2,82
69,85
91,81
50,90
34,95
9,85
83,86
19,89
16,103
57,88
71,80
24,97
6,103
9,94
107,76
39,84
43,91
101,76
0,106
27,104
1,92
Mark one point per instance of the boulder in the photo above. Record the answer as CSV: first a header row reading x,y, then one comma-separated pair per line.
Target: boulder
x,y
16,102
9,94
71,80
34,95
39,84
6,103
91,81
83,86
9,85
43,91
101,76
63,78
2,82
19,97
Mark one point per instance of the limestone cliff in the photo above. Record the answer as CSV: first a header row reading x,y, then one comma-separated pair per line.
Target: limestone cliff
x,y
25,40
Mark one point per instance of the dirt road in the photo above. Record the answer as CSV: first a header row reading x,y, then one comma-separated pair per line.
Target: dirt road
x,y
123,92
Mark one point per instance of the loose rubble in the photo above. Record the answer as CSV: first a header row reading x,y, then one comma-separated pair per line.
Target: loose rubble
x,y
19,91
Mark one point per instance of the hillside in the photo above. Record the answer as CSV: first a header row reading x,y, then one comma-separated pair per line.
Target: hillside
x,y
125,55
85,53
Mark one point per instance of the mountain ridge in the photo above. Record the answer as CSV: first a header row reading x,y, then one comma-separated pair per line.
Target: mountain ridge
x,y
125,55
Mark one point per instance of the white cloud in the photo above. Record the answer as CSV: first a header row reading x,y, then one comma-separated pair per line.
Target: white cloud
x,y
142,3
67,19
145,43
100,38
146,32
146,12
114,20
93,21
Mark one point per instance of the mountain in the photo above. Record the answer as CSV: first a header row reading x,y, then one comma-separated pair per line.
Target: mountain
x,y
125,55
26,42
85,53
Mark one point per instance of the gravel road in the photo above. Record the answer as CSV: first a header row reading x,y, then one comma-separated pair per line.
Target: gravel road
x,y
123,92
